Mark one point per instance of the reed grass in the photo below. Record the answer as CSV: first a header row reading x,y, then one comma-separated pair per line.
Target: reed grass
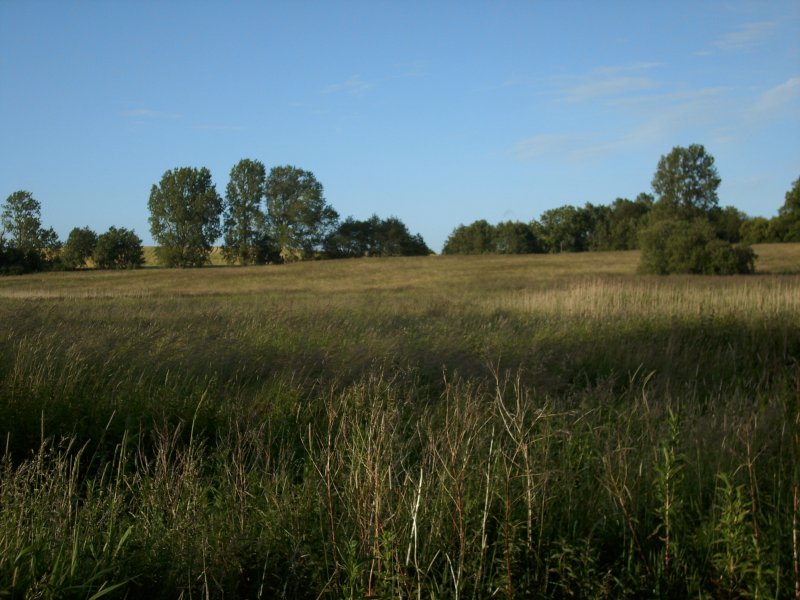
x,y
408,428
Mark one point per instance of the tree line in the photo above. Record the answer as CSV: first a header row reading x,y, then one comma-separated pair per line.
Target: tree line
x,y
681,228
263,218
283,216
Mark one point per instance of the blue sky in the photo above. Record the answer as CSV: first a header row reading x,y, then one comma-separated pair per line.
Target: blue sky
x,y
439,112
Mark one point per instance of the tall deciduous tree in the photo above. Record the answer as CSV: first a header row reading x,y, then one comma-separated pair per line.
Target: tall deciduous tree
x,y
243,222
686,183
185,211
25,244
299,218
22,224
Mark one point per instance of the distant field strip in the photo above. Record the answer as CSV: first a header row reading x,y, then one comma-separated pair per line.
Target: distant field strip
x,y
597,298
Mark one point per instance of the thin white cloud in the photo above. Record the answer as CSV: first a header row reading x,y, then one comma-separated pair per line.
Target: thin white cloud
x,y
354,85
608,82
776,100
747,36
653,120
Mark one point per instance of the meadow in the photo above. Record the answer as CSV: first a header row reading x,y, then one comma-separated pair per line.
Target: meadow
x,y
436,427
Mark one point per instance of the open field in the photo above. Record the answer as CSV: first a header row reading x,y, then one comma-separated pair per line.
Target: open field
x,y
448,427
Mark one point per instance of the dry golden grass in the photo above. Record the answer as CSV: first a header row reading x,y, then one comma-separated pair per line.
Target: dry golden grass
x,y
600,285
297,429
151,260
777,258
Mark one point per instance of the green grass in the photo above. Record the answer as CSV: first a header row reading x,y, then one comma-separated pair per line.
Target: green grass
x,y
449,427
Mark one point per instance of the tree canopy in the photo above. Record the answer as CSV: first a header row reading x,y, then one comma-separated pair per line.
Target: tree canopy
x,y
788,220
374,237
118,249
79,247
565,229
687,232
243,222
185,214
24,244
299,218
686,182
475,238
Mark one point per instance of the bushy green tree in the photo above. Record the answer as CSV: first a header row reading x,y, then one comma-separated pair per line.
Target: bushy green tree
x,y
514,237
78,248
26,245
185,214
728,223
679,246
686,183
299,218
757,230
475,238
481,237
352,238
118,249
392,238
619,230
686,227
374,237
564,229
243,222
787,223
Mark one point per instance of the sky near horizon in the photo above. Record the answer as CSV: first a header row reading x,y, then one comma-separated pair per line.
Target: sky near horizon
x,y
439,113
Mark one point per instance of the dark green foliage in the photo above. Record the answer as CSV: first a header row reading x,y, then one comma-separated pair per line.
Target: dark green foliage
x,y
244,222
118,249
728,223
14,261
475,238
787,223
620,229
24,244
374,237
724,258
688,232
392,238
514,237
299,218
480,237
676,246
757,230
566,228
185,211
686,183
79,247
